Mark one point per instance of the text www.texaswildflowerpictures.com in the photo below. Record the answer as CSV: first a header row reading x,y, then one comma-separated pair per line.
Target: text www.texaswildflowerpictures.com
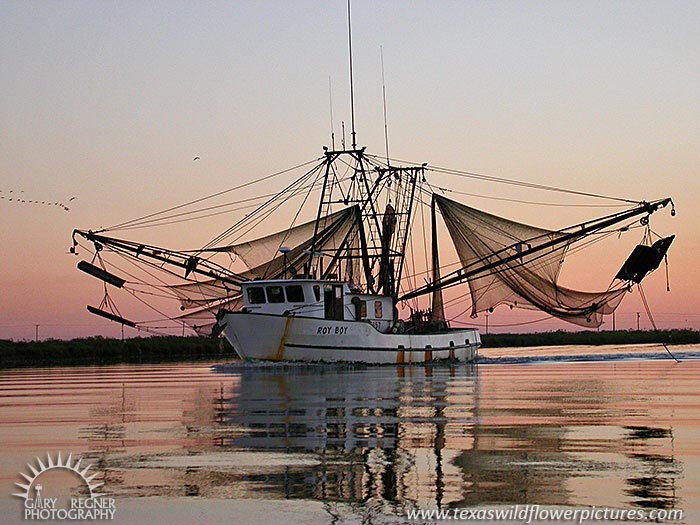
x,y
535,513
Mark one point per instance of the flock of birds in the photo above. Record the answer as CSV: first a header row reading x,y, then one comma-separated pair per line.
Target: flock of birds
x,y
18,197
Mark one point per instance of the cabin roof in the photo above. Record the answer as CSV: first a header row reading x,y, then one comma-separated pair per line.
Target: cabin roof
x,y
258,282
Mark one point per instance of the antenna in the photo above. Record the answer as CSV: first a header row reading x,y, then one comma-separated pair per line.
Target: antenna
x,y
386,127
330,98
352,93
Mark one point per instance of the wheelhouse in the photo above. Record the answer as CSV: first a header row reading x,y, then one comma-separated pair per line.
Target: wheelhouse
x,y
320,299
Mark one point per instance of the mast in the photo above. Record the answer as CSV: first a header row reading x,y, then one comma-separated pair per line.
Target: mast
x,y
405,211
352,92
438,307
386,127
330,156
362,194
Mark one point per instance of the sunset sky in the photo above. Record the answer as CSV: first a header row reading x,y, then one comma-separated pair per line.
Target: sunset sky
x,y
105,104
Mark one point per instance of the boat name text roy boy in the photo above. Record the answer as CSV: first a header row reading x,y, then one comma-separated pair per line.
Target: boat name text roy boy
x,y
332,330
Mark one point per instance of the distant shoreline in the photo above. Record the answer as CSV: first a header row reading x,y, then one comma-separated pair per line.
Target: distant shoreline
x,y
102,351
592,338
97,351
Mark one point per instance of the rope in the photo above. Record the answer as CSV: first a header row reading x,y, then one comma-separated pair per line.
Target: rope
x,y
293,187
651,319
535,203
160,221
513,182
531,185
213,195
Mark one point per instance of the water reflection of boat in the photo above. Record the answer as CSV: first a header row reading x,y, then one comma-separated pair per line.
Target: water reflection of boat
x,y
387,438
424,437
374,437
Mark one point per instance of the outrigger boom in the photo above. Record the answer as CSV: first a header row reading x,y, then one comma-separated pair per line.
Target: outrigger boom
x,y
574,232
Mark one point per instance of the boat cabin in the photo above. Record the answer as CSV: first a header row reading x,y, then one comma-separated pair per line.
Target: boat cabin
x,y
321,299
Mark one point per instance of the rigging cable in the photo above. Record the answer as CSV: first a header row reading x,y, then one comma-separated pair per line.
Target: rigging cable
x,y
294,220
513,182
531,185
653,323
213,195
289,188
652,232
535,203
161,221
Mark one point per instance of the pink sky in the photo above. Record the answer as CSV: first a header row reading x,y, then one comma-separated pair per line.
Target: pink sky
x,y
109,103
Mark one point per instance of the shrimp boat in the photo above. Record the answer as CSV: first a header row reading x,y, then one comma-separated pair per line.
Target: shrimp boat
x,y
336,288
345,284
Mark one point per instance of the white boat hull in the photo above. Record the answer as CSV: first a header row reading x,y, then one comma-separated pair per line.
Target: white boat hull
x,y
280,338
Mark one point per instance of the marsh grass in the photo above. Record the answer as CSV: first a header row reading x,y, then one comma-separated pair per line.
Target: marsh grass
x,y
102,351
594,338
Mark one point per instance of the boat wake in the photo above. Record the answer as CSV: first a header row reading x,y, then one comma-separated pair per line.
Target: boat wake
x,y
614,354
597,357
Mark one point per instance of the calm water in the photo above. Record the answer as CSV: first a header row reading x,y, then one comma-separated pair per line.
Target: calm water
x,y
337,444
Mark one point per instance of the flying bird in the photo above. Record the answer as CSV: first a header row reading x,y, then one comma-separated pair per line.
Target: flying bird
x,y
196,158
72,199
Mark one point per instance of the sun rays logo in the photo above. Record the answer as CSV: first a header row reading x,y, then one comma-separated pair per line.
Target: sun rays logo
x,y
48,488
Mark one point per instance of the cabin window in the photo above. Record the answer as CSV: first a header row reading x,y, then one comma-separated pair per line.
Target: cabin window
x,y
275,294
377,309
360,308
317,292
295,293
256,295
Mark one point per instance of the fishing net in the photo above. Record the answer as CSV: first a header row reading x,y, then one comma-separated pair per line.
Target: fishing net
x,y
525,281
